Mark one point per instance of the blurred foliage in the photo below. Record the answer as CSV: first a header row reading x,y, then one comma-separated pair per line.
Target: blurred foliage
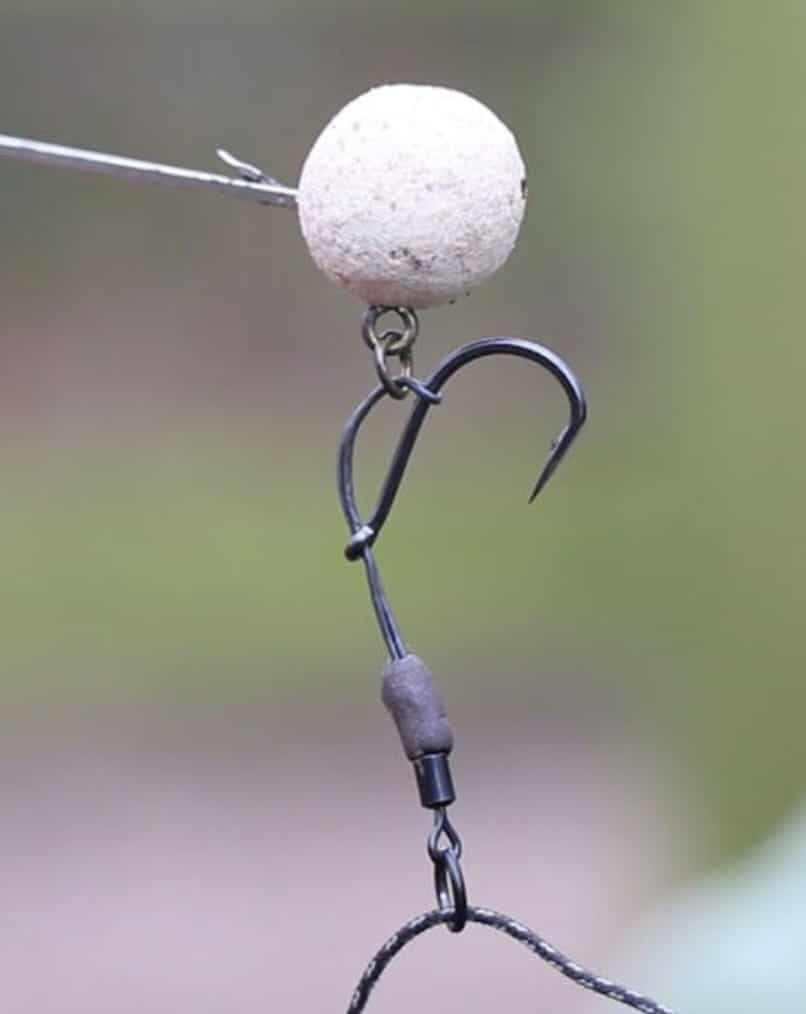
x,y
730,944
665,144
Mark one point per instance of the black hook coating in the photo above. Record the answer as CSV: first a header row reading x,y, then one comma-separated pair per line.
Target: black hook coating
x,y
364,533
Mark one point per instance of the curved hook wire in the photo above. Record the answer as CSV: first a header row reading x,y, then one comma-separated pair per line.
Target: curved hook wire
x,y
365,533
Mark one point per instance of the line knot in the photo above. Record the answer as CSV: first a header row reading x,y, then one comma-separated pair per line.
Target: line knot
x,y
360,540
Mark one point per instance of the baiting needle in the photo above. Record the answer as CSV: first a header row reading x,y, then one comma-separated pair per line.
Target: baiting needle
x,y
251,183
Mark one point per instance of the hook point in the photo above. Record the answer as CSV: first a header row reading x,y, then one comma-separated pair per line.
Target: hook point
x,y
559,446
542,479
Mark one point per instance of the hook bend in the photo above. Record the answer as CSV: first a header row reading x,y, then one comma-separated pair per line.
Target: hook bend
x,y
366,532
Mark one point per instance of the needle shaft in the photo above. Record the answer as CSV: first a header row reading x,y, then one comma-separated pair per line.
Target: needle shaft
x,y
261,192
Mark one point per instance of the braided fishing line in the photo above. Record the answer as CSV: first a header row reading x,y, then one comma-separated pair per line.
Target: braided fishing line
x,y
517,931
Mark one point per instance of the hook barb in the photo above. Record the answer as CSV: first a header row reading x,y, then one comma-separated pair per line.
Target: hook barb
x,y
559,448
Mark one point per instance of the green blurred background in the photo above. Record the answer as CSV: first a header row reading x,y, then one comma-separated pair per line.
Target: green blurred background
x,y
176,374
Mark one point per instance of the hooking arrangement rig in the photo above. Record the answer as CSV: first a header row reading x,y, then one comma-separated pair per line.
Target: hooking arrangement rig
x,y
409,198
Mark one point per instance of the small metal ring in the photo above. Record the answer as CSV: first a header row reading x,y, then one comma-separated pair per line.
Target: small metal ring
x,y
449,884
380,350
402,341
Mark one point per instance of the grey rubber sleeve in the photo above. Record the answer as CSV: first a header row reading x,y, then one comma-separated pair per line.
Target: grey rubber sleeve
x,y
414,701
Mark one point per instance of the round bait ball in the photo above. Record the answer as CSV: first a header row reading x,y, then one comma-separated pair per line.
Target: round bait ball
x,y
412,196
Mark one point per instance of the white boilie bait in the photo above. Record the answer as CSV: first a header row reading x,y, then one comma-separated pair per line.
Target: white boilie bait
x,y
412,195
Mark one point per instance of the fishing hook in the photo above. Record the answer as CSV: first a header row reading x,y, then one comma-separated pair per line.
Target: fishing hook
x,y
365,533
